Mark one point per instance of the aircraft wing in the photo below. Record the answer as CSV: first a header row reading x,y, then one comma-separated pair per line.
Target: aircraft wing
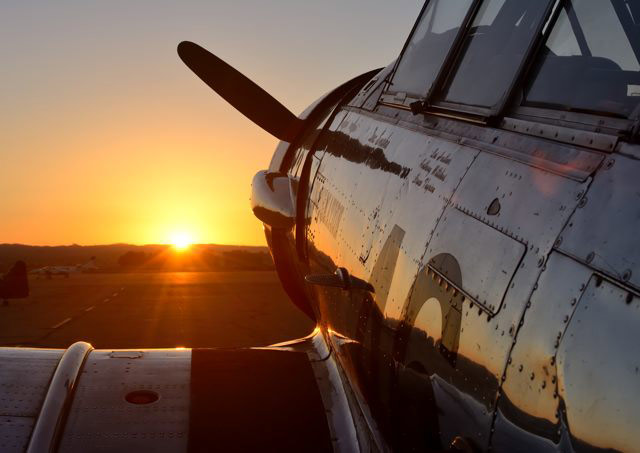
x,y
288,397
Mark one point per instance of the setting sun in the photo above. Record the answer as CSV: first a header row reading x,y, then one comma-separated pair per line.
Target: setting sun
x,y
181,241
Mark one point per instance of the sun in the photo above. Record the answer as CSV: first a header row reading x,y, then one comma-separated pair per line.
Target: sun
x,y
181,241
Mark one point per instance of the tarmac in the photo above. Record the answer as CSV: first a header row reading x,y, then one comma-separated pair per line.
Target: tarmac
x,y
153,310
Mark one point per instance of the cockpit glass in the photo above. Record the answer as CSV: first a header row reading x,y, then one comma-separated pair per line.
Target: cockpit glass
x,y
429,45
493,51
590,60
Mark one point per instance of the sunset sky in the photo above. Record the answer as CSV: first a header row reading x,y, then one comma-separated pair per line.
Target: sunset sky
x,y
105,135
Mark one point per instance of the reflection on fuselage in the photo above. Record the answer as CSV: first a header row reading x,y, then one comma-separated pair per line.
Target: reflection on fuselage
x,y
429,350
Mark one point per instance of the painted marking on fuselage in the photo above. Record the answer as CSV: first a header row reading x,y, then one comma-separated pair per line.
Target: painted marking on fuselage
x,y
330,211
431,284
388,374
432,168
384,268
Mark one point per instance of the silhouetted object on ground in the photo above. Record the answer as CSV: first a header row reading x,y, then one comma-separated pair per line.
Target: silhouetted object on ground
x,y
200,257
243,260
132,259
165,260
14,284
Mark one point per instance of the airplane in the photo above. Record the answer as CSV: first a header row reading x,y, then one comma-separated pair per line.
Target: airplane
x,y
461,225
65,271
14,284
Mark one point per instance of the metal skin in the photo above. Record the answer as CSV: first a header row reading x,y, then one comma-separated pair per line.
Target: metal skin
x,y
450,343
504,268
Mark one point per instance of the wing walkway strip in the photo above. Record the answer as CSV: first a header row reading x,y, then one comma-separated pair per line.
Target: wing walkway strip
x,y
57,402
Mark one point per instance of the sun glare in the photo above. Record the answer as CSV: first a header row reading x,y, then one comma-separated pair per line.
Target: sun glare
x,y
181,241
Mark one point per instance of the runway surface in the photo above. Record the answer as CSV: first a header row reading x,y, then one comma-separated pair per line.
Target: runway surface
x,y
153,310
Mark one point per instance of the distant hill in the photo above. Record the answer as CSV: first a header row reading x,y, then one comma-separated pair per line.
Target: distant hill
x,y
126,257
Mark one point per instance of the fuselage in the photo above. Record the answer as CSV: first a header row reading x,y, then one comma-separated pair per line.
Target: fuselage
x,y
56,270
65,271
503,262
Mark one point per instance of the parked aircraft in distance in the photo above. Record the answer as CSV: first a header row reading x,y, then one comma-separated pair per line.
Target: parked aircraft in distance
x,y
462,226
65,271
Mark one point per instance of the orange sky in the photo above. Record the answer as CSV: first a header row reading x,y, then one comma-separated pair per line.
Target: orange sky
x,y
105,136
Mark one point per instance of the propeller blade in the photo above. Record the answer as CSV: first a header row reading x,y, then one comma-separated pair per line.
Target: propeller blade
x,y
239,91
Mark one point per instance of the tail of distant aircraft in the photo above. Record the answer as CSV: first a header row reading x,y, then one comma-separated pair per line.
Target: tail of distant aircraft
x,y
14,284
89,265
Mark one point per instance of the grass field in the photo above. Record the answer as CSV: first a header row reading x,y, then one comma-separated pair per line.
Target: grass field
x,y
154,310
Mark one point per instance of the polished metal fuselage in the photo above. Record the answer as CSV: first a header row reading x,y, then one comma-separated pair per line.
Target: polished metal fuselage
x,y
505,268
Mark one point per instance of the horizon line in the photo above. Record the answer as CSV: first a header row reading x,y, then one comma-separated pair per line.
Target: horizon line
x,y
127,244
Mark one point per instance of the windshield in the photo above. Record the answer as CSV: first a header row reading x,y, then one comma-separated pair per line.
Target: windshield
x,y
428,46
493,51
590,60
